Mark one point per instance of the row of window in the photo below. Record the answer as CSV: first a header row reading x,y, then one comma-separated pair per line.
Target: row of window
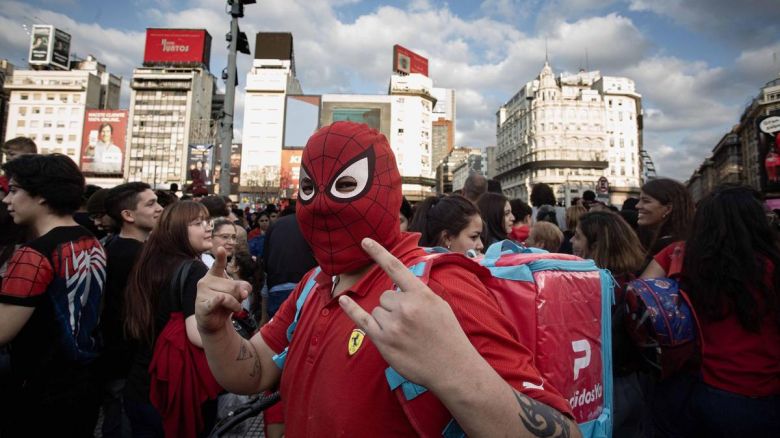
x,y
51,97
60,124
47,138
61,111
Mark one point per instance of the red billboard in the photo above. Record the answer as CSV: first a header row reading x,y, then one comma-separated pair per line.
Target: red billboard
x,y
177,47
405,61
291,167
103,142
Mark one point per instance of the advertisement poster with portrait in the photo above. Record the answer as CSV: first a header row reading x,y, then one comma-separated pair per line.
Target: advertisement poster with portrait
x,y
60,53
104,142
40,44
769,152
200,164
235,170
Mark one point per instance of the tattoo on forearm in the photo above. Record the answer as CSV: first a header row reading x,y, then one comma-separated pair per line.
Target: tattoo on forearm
x,y
244,353
248,351
540,419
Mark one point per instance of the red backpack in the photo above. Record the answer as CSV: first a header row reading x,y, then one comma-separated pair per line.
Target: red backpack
x,y
561,307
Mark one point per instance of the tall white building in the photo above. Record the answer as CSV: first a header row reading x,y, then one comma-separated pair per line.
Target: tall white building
x,y
411,133
568,132
170,109
270,79
48,106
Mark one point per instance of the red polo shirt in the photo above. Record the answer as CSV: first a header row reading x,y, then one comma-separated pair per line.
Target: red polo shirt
x,y
735,359
328,392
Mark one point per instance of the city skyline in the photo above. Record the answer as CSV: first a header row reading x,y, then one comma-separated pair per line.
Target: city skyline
x,y
696,63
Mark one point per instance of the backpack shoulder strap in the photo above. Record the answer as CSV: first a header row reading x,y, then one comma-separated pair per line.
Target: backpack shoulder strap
x,y
405,390
675,268
305,292
177,281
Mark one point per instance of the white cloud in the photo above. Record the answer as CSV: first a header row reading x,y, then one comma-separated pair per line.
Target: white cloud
x,y
688,104
683,94
754,67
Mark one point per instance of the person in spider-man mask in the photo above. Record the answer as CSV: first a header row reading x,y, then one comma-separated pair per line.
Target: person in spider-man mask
x,y
332,359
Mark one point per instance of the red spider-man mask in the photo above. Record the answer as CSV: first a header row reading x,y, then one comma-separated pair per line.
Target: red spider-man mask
x,y
350,189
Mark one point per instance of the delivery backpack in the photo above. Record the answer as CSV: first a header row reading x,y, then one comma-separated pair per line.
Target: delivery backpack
x,y
560,306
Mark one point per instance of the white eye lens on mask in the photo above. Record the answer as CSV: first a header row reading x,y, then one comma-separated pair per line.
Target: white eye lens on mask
x,y
356,175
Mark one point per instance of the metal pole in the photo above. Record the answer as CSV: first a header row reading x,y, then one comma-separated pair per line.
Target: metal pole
x,y
230,97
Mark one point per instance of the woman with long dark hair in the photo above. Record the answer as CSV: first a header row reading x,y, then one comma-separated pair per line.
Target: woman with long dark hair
x,y
452,222
497,215
665,212
182,234
611,242
731,272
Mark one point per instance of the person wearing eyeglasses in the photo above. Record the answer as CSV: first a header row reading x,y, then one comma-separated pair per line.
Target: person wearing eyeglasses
x,y
162,286
224,235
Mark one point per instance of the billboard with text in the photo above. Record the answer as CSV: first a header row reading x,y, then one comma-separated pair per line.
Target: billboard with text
x,y
49,47
405,61
177,47
104,142
769,152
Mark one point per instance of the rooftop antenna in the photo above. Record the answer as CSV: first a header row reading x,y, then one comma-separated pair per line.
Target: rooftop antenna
x,y
546,58
587,63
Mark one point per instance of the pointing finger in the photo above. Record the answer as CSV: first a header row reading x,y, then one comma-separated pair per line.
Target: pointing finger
x,y
393,267
220,263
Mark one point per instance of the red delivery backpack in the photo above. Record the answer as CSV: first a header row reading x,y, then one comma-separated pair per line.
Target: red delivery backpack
x,y
561,307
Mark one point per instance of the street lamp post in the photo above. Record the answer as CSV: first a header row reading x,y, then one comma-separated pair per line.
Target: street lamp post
x,y
238,42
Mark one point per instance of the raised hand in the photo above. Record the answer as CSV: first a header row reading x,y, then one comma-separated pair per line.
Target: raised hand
x,y
218,297
413,328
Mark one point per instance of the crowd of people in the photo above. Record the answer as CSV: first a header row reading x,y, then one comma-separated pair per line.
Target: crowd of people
x,y
145,306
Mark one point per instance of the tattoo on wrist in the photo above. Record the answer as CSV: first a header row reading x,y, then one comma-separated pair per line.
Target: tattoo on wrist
x,y
540,419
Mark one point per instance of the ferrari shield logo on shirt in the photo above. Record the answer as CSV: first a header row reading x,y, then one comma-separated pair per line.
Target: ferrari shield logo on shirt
x,y
355,341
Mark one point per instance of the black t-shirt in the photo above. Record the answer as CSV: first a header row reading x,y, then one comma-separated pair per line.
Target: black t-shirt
x,y
61,274
138,382
287,255
118,351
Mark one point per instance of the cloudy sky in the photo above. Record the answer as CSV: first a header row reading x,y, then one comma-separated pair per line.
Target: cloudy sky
x,y
697,63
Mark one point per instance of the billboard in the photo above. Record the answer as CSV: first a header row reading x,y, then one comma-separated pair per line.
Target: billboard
x,y
60,53
104,142
274,45
291,169
41,42
177,47
49,47
768,128
235,170
200,164
374,114
405,61
301,119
